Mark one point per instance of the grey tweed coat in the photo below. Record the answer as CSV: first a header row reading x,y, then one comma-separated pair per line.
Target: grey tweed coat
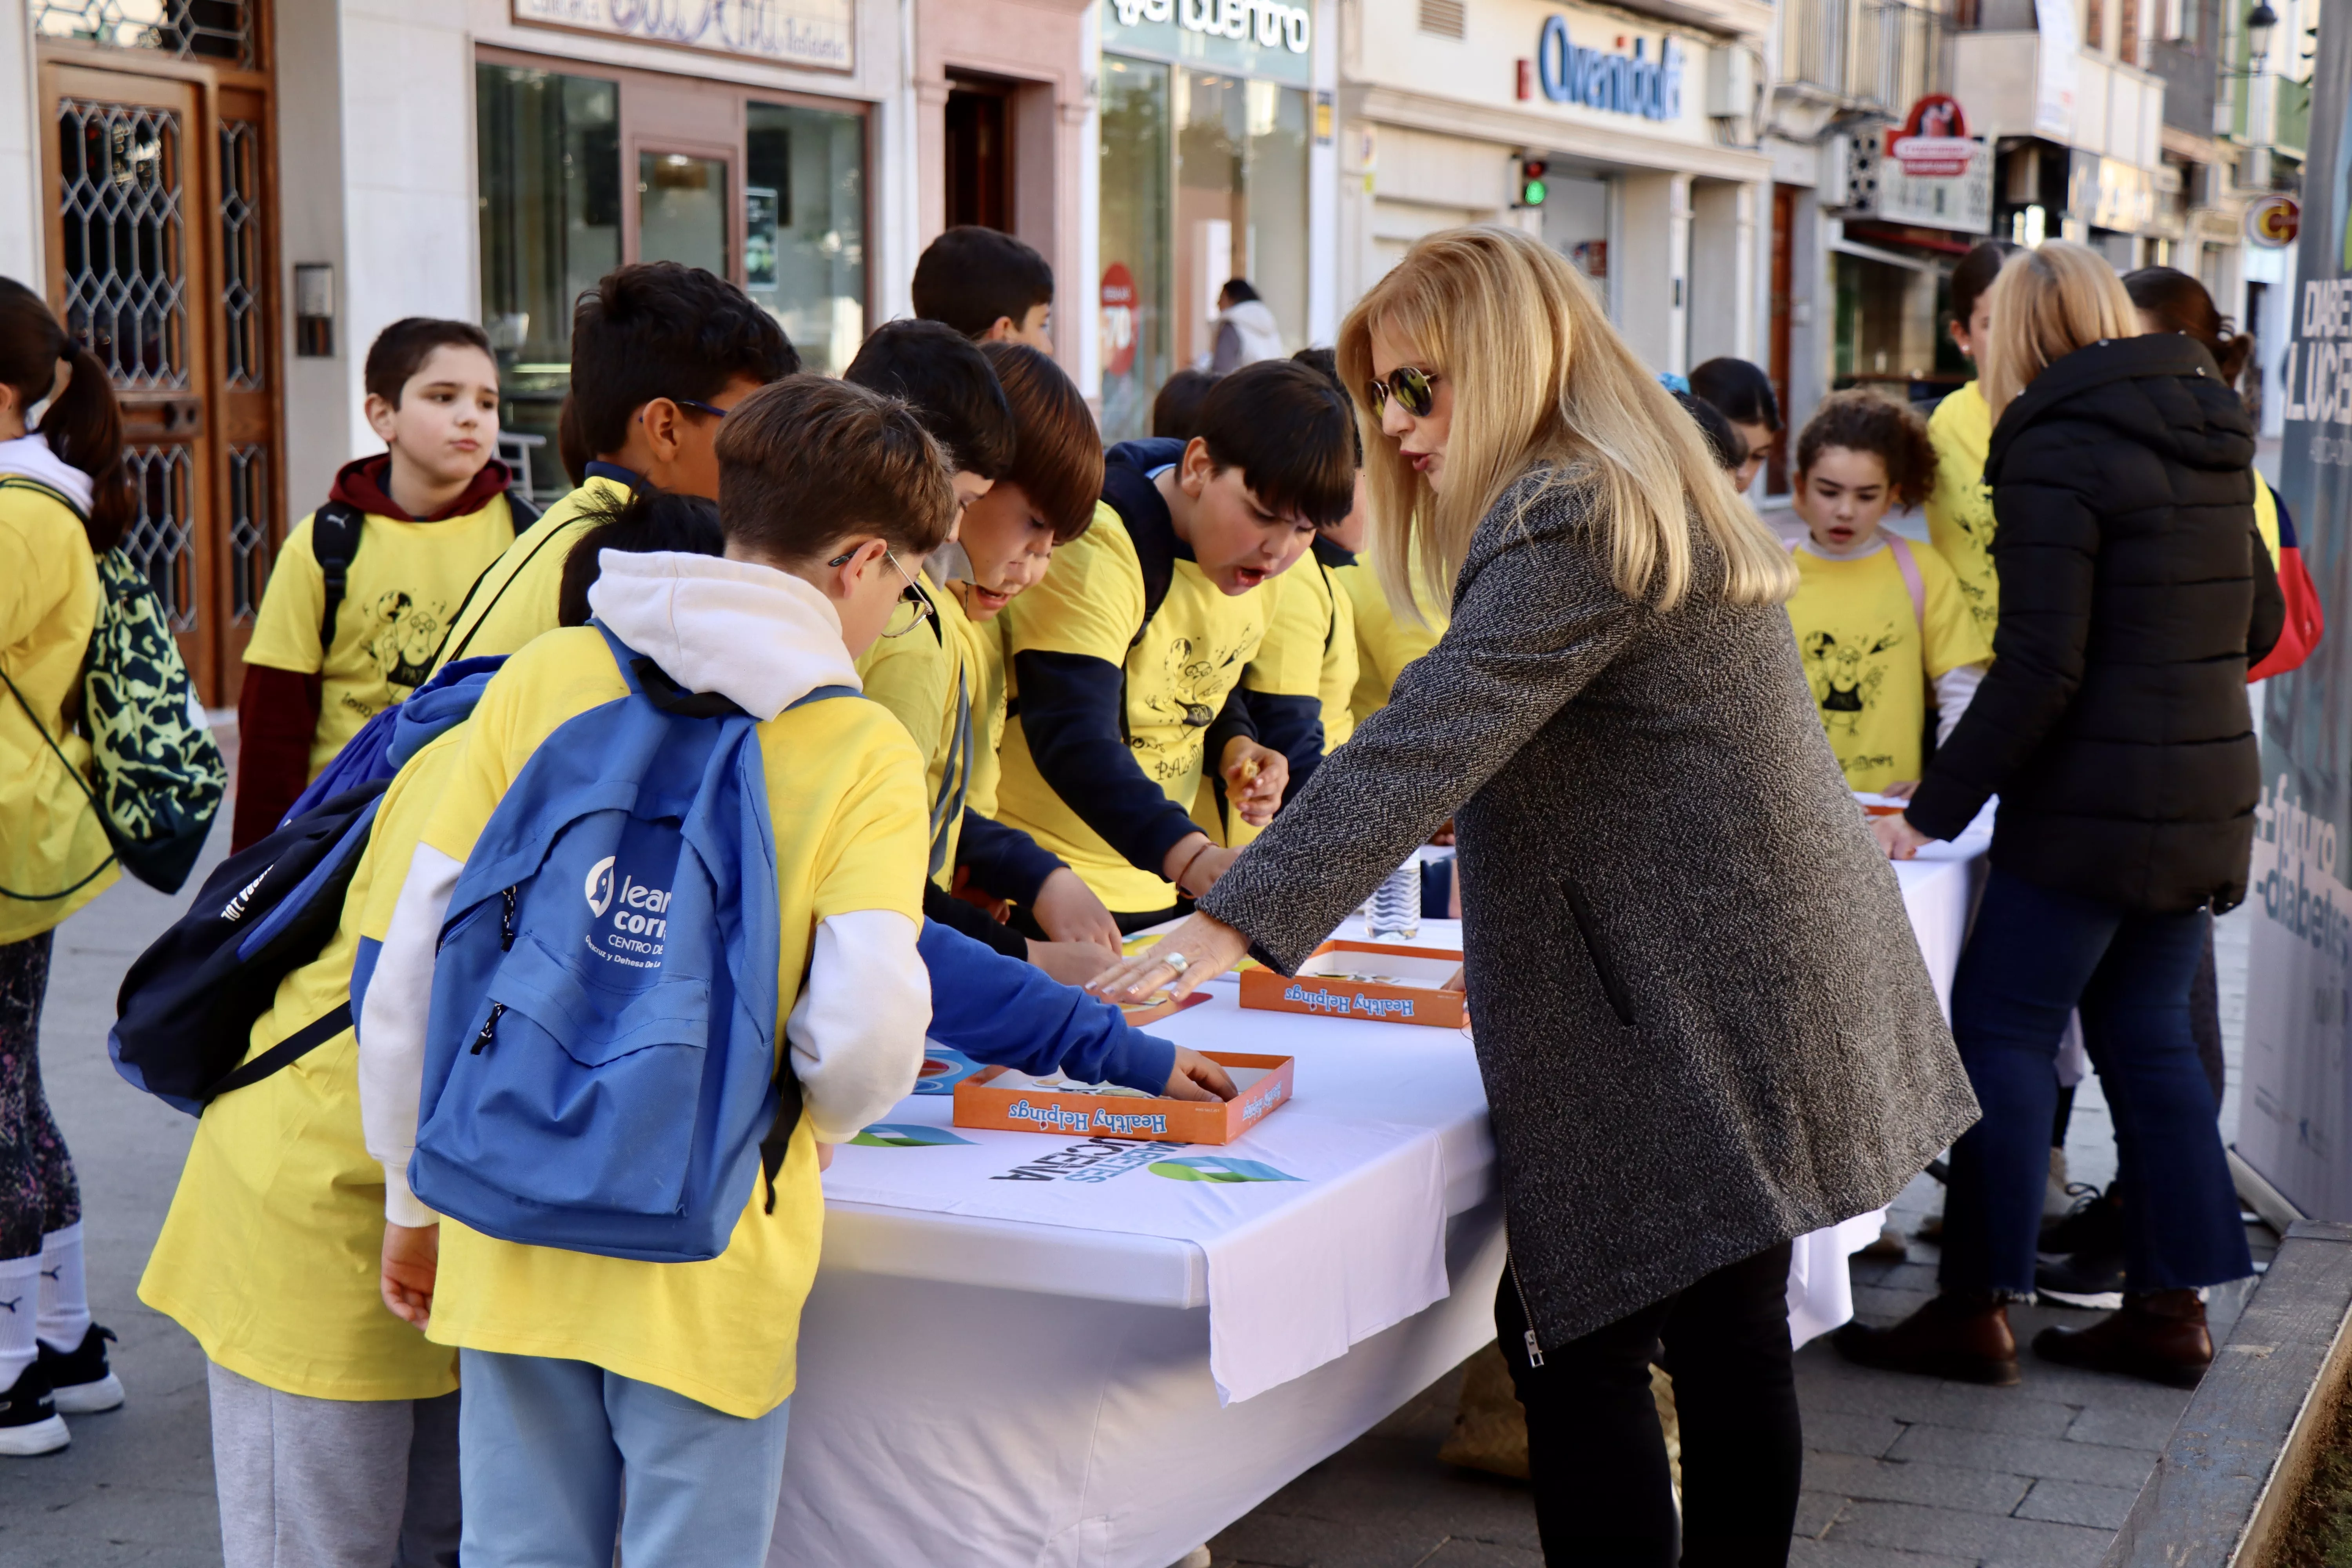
x,y
1703,1022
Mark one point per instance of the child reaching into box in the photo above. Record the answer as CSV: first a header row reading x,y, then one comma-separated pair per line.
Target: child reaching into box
x,y
1878,618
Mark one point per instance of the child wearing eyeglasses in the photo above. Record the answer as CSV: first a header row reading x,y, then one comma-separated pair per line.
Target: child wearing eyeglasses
x,y
1880,621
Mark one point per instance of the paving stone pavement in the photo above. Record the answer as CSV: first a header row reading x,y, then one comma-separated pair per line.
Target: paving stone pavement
x,y
1901,1473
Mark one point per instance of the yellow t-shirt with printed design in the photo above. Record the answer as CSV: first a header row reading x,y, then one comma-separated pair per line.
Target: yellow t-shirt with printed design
x,y
1190,659
1869,657
521,594
985,661
1385,643
1959,511
846,794
407,580
270,1253
918,677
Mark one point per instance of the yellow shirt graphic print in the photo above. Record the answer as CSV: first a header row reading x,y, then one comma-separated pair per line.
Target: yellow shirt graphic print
x,y
1960,512
1869,656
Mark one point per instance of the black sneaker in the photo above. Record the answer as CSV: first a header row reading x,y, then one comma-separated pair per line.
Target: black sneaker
x,y
2090,1279
30,1422
2095,1222
79,1380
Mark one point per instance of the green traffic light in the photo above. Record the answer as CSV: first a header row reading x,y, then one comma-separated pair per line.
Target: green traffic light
x,y
1531,194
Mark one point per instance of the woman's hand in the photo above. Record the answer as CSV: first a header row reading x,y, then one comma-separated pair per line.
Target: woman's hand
x,y
1195,1077
1206,946
1898,837
1068,911
412,1259
1256,778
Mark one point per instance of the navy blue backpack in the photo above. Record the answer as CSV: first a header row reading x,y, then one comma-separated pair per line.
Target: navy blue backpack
x,y
601,1072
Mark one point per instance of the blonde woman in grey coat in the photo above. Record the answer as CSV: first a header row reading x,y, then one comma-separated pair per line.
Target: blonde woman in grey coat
x,y
1703,1023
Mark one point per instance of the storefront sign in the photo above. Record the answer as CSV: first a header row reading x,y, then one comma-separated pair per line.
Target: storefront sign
x,y
2294,1122
1884,183
1614,83
815,33
1118,322
1254,37
1934,142
2273,222
2053,94
2126,198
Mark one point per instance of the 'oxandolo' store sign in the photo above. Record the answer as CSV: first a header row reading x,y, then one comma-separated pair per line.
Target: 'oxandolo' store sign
x,y
1626,83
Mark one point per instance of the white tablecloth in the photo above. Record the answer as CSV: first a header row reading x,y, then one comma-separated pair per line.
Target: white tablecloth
x,y
983,1390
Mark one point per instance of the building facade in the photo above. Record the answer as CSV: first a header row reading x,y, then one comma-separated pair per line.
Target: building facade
x,y
1642,120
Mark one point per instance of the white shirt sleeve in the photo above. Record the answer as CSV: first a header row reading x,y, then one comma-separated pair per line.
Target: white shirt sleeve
x,y
1955,689
856,1033
392,1029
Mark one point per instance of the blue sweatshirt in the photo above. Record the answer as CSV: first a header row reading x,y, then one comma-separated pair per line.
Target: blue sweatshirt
x,y
997,1010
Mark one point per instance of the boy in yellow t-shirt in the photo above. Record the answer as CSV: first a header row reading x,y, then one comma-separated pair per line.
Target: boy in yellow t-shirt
x,y
586,1377
334,1424
1877,618
1960,507
1126,660
660,354
364,587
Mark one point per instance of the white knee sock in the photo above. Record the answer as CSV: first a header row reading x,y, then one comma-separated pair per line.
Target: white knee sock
x,y
64,1316
20,1286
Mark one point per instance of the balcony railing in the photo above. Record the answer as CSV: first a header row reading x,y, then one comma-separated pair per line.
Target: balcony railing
x,y
1881,55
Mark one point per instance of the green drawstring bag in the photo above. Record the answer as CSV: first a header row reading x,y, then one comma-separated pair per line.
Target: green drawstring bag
x,y
161,779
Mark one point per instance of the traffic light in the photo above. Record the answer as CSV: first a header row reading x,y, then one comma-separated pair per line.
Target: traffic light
x,y
1528,189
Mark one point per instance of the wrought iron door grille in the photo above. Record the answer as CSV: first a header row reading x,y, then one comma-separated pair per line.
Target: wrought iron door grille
x,y
162,540
240,216
248,530
186,29
121,180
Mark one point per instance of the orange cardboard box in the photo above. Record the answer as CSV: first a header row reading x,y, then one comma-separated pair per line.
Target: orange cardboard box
x,y
1265,1083
1399,985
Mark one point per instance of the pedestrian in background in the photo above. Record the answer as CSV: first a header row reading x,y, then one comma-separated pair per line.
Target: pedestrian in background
x,y
1959,509
1742,394
1616,621
63,499
2113,726
1243,331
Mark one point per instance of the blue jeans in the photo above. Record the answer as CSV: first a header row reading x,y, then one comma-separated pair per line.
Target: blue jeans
x,y
2034,956
545,1447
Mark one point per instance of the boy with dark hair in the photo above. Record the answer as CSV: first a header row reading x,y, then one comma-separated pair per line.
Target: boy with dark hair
x,y
1177,407
1126,660
988,286
585,1375
660,354
364,588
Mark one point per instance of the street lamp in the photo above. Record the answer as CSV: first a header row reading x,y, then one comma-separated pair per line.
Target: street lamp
x,y
2259,22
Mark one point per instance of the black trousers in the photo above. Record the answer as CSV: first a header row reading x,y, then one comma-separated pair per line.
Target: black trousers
x,y
1597,1459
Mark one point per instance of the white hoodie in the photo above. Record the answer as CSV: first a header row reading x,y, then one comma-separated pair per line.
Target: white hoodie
x,y
30,455
763,639
1246,332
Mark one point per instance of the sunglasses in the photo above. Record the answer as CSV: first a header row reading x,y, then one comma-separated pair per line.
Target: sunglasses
x,y
1408,387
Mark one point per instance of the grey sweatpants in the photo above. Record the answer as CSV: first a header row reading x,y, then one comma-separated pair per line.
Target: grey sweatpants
x,y
333,1483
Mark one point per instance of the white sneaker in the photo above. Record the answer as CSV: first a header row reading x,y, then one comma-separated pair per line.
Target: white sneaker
x,y
29,1423
80,1381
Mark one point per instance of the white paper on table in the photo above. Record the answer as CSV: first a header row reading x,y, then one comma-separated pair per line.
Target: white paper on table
x,y
1315,1233
1820,1289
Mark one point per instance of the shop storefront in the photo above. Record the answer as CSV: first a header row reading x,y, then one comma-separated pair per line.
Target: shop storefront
x,y
1208,125
1634,121
584,164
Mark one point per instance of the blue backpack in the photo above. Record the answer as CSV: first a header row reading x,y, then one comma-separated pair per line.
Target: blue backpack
x,y
601,1072
183,1018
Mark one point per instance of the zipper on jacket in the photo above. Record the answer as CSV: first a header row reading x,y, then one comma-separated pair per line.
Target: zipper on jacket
x,y
1535,1350
507,920
489,1028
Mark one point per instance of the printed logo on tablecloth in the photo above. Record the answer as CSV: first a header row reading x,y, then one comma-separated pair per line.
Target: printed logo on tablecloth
x,y
1218,1168
906,1135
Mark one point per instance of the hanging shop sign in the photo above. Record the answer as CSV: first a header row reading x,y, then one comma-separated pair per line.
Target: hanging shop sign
x,y
1933,142
2273,222
820,33
1251,37
1633,83
1118,320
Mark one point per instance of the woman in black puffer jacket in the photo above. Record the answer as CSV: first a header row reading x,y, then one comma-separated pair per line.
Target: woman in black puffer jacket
x,y
2115,727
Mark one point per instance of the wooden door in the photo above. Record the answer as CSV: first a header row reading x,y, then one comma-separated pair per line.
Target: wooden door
x,y
1785,209
128,275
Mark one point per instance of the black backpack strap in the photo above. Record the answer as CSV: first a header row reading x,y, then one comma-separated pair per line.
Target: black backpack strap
x,y
334,542
519,512
1155,553
286,1052
26,482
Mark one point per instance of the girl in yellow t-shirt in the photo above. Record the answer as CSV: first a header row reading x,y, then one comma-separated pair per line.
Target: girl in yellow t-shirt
x,y
1878,618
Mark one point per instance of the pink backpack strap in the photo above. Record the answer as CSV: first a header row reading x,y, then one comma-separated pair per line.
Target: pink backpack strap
x,y
1908,565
